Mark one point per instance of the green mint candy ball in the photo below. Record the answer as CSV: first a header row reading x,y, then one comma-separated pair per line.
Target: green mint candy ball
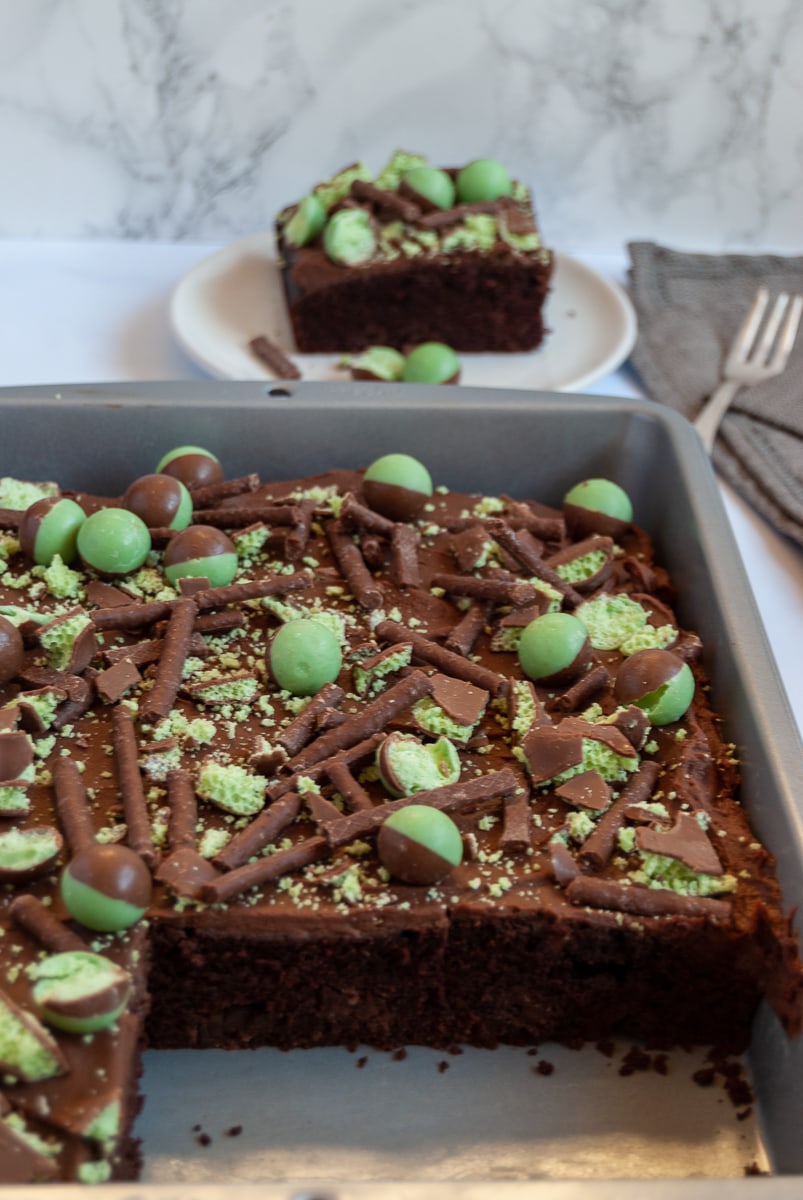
x,y
49,527
432,184
162,501
349,237
406,764
12,655
431,362
79,991
601,495
552,645
306,222
106,887
376,362
419,844
657,681
193,465
304,655
201,552
114,541
483,179
397,485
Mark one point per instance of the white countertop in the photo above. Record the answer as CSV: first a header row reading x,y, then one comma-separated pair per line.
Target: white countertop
x,y
94,311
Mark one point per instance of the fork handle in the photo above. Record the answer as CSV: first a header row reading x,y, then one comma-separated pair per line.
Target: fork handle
x,y
711,416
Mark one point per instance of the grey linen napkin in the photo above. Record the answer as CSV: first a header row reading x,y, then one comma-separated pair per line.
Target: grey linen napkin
x,y
689,309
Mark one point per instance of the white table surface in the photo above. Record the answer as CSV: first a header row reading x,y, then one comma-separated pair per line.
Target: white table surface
x,y
89,311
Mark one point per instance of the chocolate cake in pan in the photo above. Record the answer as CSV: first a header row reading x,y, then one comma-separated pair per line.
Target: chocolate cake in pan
x,y
353,757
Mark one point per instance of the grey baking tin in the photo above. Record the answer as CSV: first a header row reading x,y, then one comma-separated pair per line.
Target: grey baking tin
x,y
100,437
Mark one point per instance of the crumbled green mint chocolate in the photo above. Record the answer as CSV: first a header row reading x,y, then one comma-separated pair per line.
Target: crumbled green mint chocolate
x,y
660,871
378,362
430,717
24,851
583,567
400,162
349,237
619,623
335,189
18,494
232,788
58,639
27,1051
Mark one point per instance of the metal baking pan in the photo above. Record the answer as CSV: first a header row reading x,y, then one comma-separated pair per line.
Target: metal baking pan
x,y
346,1125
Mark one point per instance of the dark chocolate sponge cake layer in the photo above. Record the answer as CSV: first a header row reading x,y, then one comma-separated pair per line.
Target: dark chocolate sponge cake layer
x,y
608,880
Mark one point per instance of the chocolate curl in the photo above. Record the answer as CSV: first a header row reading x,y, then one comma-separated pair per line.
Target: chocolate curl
x,y
298,538
498,785
370,720
563,863
404,556
350,789
274,359
162,696
388,203
580,693
443,217
356,515
600,843
210,493
80,695
241,516
183,809
643,901
260,832
521,517
253,589
184,870
43,925
124,739
301,728
131,616
72,805
516,823
265,870
10,518
517,546
495,591
319,770
465,633
352,566
141,654
443,660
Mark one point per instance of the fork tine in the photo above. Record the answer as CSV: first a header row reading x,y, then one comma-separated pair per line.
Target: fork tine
x,y
744,338
762,352
789,332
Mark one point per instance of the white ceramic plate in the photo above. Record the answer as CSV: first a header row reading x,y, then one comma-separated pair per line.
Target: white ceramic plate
x,y
236,294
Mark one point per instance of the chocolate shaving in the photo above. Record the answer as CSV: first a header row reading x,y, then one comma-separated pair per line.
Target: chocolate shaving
x,y
321,809
387,203
550,750
686,841
470,546
52,934
564,866
461,701
162,696
441,218
360,582
404,565
643,901
80,695
494,590
582,692
542,526
443,660
600,843
106,595
451,797
126,753
586,790
465,633
115,681
354,514
260,832
208,494
516,823
274,359
265,870
72,805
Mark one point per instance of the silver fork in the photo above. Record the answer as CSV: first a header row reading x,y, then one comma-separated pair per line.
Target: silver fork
x,y
756,354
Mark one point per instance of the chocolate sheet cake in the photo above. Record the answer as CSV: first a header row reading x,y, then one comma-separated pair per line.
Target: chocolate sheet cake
x,y
605,879
392,260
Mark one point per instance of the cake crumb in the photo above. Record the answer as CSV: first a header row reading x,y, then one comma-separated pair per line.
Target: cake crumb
x,y
442,1066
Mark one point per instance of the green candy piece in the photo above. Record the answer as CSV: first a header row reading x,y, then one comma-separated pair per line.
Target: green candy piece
x,y
78,991
306,222
601,495
402,470
181,452
58,530
201,552
657,681
483,179
407,765
303,656
550,644
114,541
219,569
377,362
349,238
106,887
671,701
433,184
430,828
431,362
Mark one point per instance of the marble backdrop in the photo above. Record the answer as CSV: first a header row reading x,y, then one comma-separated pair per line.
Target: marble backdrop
x,y
678,120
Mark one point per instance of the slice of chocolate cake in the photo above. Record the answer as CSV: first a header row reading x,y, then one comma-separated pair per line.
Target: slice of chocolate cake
x,y
351,759
416,254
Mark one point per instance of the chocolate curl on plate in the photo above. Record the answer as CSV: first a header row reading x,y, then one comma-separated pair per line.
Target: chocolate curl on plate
x,y
581,693
404,565
52,934
452,797
162,696
352,566
494,590
513,541
363,724
443,660
126,753
265,870
588,890
273,357
600,843
465,633
354,515
296,735
72,805
210,494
